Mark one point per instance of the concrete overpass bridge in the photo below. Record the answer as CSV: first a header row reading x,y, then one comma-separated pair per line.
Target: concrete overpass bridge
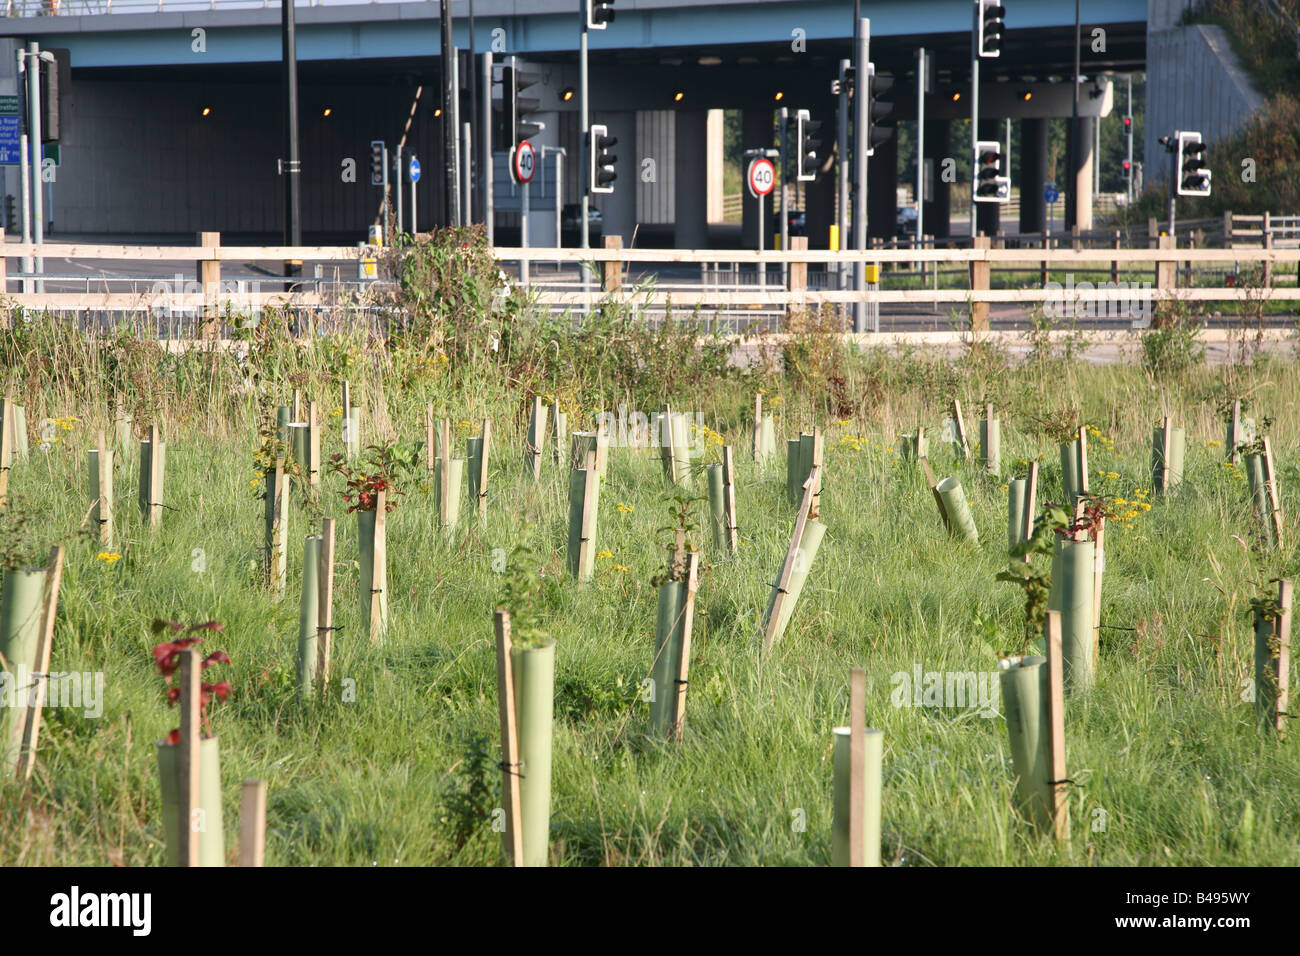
x,y
140,154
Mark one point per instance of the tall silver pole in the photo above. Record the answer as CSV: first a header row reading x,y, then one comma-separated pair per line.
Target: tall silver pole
x,y
523,235
467,171
842,212
559,203
414,228
1096,158
974,128
461,215
34,131
861,102
489,204
27,208
397,173
584,131
922,87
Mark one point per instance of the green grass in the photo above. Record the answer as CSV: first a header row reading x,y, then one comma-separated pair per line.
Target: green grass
x,y
1163,750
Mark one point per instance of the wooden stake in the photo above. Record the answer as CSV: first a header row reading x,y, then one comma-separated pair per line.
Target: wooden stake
x,y
313,445
934,490
509,742
430,451
296,405
252,823
191,667
1098,569
1060,808
105,464
787,568
44,643
1031,493
483,469
1083,459
961,429
537,439
325,608
1270,485
819,449
1282,674
155,477
6,447
1234,439
729,499
758,426
444,485
379,576
277,555
590,487
857,762
688,621
1166,428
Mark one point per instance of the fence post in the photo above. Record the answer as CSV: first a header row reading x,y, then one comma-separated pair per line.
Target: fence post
x,y
612,280
1268,244
1153,233
1047,248
1227,230
210,282
1166,272
1114,265
979,282
798,278
1076,243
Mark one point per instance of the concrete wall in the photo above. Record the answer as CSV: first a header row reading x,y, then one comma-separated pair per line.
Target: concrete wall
x,y
1194,82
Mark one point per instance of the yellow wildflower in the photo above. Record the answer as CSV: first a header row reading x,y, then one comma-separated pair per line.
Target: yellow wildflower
x,y
108,557
336,413
604,554
1112,475
624,509
619,568
1213,443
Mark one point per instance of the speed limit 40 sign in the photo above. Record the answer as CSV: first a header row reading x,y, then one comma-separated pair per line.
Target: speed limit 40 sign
x,y
761,177
525,162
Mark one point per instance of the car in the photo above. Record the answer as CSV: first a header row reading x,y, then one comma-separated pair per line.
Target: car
x,y
905,221
571,220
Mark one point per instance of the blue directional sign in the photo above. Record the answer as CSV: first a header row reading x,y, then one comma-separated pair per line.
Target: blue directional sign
x,y
1050,194
9,131
415,170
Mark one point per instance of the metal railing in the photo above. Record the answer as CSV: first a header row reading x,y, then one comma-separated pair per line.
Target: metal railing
x,y
81,8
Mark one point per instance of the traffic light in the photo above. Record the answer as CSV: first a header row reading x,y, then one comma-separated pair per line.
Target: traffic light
x,y
601,176
11,217
808,146
600,13
1128,169
514,121
377,164
991,182
989,26
1128,126
1192,171
878,109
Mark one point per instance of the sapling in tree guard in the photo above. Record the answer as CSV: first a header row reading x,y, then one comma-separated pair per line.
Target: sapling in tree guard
x,y
804,543
190,755
1272,619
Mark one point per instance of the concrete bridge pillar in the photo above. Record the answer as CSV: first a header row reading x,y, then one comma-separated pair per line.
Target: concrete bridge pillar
x,y
618,209
691,195
936,207
1033,174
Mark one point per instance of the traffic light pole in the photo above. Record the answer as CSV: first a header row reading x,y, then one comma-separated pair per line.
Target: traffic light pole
x,y
861,125
785,213
34,140
485,146
451,182
1129,185
974,120
292,164
584,122
842,213
922,81
397,174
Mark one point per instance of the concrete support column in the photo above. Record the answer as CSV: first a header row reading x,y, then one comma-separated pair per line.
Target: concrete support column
x,y
756,128
617,209
937,205
1078,210
988,215
882,190
1033,174
691,195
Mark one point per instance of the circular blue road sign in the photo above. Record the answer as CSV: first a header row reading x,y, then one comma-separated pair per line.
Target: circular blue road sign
x,y
415,170
1050,195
